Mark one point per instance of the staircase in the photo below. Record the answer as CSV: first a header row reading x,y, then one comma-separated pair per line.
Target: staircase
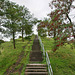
x,y
36,69
36,56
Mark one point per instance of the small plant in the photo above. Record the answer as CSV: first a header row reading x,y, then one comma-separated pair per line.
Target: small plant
x,y
1,41
0,52
20,36
28,37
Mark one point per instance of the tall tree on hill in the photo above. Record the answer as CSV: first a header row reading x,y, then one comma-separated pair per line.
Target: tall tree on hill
x,y
58,16
64,7
12,20
28,29
57,24
2,7
25,18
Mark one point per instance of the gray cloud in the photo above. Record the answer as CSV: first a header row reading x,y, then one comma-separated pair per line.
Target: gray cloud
x,y
40,8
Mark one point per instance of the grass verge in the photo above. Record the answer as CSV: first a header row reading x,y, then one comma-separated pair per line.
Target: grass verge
x,y
63,60
9,55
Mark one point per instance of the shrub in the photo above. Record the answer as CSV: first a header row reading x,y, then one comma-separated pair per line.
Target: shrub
x,y
28,37
20,36
1,41
0,52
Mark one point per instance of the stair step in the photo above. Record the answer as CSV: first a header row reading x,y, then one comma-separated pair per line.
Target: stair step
x,y
36,56
36,67
34,61
36,70
40,65
36,73
36,53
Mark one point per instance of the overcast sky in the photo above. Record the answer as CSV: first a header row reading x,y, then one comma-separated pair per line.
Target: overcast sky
x,y
40,8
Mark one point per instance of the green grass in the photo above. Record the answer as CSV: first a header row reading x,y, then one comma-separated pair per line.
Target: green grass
x,y
63,60
9,55
25,60
48,43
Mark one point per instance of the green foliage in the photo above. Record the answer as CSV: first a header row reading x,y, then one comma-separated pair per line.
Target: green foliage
x,y
9,56
62,61
48,43
20,36
1,41
28,37
42,32
20,21
28,29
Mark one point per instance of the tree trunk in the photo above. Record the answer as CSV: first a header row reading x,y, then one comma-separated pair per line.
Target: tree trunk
x,y
71,24
22,35
54,33
55,47
14,40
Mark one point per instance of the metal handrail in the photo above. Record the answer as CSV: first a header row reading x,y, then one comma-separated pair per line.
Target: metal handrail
x,y
50,71
42,46
49,65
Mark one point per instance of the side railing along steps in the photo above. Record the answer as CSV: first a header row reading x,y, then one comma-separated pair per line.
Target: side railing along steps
x,y
36,69
45,54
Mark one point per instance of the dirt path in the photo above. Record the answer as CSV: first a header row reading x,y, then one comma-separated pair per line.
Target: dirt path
x,y
11,69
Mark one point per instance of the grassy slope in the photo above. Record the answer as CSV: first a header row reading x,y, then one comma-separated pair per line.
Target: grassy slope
x,y
63,60
9,55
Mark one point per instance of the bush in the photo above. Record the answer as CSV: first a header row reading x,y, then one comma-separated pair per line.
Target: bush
x,y
0,52
1,41
28,37
74,44
20,36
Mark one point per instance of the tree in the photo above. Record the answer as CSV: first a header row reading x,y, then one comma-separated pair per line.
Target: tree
x,y
11,23
42,27
25,20
28,29
42,32
57,24
58,16
64,7
3,6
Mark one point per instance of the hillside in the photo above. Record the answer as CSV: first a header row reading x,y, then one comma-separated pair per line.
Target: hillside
x,y
63,60
13,61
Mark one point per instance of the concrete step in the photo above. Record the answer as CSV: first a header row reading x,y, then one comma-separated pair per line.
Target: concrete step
x,y
36,59
39,65
36,47
36,67
36,73
36,53
36,56
36,70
